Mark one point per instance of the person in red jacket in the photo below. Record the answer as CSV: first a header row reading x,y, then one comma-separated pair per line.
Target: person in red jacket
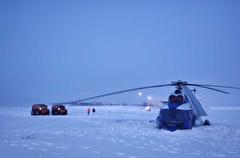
x,y
88,111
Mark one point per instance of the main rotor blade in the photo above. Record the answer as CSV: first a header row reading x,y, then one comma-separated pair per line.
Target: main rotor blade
x,y
209,85
123,91
177,84
214,89
62,103
196,106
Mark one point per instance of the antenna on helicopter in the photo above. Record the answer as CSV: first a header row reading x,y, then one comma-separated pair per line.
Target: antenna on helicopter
x,y
194,91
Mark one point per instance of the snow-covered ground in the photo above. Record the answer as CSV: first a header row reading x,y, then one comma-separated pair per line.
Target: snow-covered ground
x,y
115,131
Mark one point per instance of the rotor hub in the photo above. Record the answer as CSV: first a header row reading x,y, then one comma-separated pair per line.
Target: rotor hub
x,y
179,84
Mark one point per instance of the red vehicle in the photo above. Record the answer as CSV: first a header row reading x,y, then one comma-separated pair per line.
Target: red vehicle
x,y
39,109
58,110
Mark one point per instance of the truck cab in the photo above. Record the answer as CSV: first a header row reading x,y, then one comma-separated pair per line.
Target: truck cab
x,y
58,110
39,109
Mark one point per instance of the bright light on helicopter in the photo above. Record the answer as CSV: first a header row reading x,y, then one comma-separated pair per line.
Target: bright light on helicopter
x,y
139,93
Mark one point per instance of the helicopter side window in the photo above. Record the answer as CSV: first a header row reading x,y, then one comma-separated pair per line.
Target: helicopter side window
x,y
165,114
181,115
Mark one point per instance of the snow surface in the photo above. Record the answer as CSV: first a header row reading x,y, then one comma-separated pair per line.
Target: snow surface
x,y
115,131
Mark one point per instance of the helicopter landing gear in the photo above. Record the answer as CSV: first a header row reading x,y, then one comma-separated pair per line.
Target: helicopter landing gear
x,y
197,121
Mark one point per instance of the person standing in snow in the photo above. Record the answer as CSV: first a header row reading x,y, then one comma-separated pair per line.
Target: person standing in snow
x,y
88,111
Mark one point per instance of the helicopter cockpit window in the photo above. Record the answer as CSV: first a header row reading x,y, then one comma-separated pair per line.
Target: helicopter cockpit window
x,y
183,115
180,115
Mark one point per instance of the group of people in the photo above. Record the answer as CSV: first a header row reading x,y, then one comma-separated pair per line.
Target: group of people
x,y
88,110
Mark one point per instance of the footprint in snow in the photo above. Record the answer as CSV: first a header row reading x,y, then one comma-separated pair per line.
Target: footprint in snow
x,y
119,154
24,145
133,157
46,143
6,141
140,147
196,152
158,149
35,144
219,155
173,151
121,141
97,152
13,143
152,142
85,147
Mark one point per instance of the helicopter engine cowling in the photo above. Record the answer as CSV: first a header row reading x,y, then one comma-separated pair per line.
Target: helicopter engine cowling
x,y
175,101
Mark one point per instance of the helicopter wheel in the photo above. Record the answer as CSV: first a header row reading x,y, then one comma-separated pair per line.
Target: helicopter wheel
x,y
206,122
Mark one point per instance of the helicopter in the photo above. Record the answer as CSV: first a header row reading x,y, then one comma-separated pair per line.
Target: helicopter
x,y
181,111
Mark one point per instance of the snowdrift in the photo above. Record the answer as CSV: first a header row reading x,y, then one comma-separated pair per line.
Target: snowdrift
x,y
115,131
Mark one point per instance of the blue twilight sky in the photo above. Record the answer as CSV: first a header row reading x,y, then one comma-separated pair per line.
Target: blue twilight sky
x,y
62,50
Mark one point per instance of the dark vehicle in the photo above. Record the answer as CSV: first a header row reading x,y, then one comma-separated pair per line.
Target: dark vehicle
x,y
58,110
39,109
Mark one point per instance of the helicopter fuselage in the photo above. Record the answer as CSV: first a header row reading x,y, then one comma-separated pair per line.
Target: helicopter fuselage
x,y
177,114
173,119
